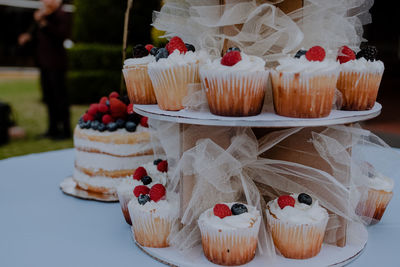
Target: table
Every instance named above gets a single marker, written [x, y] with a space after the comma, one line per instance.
[41, 226]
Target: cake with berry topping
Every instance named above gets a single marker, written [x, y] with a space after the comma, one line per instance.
[235, 84]
[229, 233]
[144, 177]
[297, 224]
[110, 142]
[176, 66]
[360, 77]
[137, 80]
[304, 85]
[154, 215]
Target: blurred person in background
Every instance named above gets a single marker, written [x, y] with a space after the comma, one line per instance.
[48, 32]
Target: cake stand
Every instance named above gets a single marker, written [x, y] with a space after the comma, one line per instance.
[330, 255]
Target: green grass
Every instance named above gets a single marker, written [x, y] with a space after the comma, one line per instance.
[30, 113]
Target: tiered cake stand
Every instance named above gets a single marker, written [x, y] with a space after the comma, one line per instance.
[330, 255]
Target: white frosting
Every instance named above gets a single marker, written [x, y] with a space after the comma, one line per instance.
[168, 207]
[299, 214]
[244, 220]
[363, 65]
[139, 61]
[381, 182]
[248, 64]
[176, 59]
[98, 181]
[120, 131]
[295, 65]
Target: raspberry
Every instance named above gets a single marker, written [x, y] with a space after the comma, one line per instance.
[102, 108]
[143, 122]
[93, 108]
[106, 119]
[87, 117]
[284, 201]
[176, 43]
[315, 53]
[231, 58]
[162, 166]
[141, 190]
[103, 100]
[149, 47]
[117, 108]
[113, 95]
[345, 54]
[139, 173]
[157, 192]
[222, 210]
[129, 109]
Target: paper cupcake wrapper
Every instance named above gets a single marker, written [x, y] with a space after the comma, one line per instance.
[124, 197]
[151, 230]
[359, 89]
[229, 247]
[171, 84]
[234, 93]
[296, 241]
[302, 95]
[138, 84]
[374, 206]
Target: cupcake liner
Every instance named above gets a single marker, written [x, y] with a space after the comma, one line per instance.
[359, 89]
[375, 205]
[171, 84]
[296, 241]
[234, 93]
[138, 84]
[229, 246]
[151, 230]
[124, 197]
[301, 95]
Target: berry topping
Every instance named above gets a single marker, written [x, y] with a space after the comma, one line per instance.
[124, 99]
[113, 95]
[143, 122]
[112, 126]
[130, 126]
[300, 53]
[117, 108]
[146, 180]
[230, 49]
[102, 108]
[304, 198]
[103, 100]
[93, 109]
[238, 209]
[345, 54]
[139, 173]
[120, 123]
[157, 192]
[284, 201]
[368, 52]
[139, 51]
[222, 210]
[129, 109]
[190, 47]
[162, 53]
[315, 53]
[231, 58]
[106, 119]
[94, 125]
[102, 127]
[87, 117]
[162, 166]
[154, 51]
[149, 47]
[140, 189]
[157, 161]
[176, 43]
[143, 199]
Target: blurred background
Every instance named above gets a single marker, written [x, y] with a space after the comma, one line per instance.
[95, 60]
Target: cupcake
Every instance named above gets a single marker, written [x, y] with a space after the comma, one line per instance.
[297, 224]
[360, 77]
[146, 175]
[137, 80]
[380, 192]
[229, 233]
[304, 86]
[154, 215]
[176, 67]
[235, 84]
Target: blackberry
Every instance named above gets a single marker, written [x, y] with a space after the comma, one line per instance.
[124, 99]
[190, 47]
[300, 53]
[146, 180]
[130, 126]
[369, 52]
[142, 199]
[154, 51]
[162, 53]
[120, 123]
[102, 127]
[157, 161]
[230, 49]
[304, 198]
[112, 126]
[238, 209]
[139, 51]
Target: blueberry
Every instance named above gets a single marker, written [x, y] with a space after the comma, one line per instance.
[120, 123]
[230, 49]
[146, 180]
[102, 127]
[154, 51]
[81, 120]
[139, 51]
[112, 126]
[94, 125]
[190, 47]
[81, 124]
[108, 103]
[238, 209]
[130, 126]
[300, 53]
[142, 199]
[86, 125]
[162, 53]
[304, 198]
[157, 161]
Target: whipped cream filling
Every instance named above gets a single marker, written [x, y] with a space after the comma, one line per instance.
[121, 131]
[244, 220]
[248, 64]
[381, 182]
[168, 207]
[97, 181]
[299, 214]
[363, 65]
[176, 59]
[139, 61]
[295, 65]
